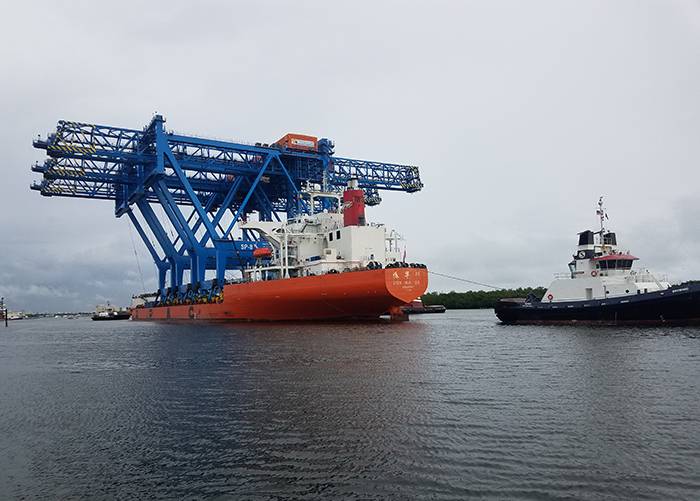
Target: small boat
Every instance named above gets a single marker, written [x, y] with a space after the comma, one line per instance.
[107, 312]
[416, 307]
[603, 288]
[112, 315]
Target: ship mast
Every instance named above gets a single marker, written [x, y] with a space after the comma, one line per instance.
[601, 214]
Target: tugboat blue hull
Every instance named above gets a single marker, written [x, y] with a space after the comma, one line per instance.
[678, 305]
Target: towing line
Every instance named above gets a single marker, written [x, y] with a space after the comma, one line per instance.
[464, 280]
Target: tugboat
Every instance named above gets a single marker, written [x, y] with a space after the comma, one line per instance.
[108, 312]
[602, 288]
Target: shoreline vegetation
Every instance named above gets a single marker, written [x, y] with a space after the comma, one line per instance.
[474, 300]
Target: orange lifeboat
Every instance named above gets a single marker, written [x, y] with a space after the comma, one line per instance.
[262, 252]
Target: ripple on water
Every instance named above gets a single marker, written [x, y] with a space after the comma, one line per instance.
[447, 407]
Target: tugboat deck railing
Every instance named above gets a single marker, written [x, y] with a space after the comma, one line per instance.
[648, 277]
[562, 275]
[634, 276]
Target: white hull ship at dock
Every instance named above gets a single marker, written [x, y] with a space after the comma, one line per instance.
[603, 288]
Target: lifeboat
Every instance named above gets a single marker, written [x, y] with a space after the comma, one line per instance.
[262, 252]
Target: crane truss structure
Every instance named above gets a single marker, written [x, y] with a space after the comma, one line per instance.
[204, 188]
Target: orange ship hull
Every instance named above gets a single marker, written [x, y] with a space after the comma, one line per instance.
[352, 295]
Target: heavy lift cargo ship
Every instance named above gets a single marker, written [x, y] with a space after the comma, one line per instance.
[287, 217]
[324, 266]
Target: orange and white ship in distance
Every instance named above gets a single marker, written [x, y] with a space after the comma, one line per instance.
[322, 266]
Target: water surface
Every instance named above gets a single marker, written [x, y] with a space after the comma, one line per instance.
[445, 407]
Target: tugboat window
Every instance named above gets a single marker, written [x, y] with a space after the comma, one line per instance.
[330, 236]
[603, 265]
[611, 264]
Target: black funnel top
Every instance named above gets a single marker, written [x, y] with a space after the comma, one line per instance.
[585, 238]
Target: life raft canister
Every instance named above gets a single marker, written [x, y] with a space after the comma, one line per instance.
[594, 273]
[550, 297]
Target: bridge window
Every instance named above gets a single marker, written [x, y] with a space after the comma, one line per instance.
[614, 264]
[337, 234]
[330, 236]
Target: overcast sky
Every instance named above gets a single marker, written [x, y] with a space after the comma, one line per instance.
[519, 114]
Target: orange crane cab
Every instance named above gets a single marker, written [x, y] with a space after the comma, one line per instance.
[298, 142]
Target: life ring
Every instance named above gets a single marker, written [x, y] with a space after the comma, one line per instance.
[594, 273]
[550, 297]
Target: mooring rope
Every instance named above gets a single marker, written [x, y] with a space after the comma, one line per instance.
[464, 280]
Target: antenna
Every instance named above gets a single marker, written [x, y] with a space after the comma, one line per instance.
[602, 215]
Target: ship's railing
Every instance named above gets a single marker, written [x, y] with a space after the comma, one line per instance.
[635, 276]
[648, 277]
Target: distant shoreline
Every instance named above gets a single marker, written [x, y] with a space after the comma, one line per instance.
[477, 300]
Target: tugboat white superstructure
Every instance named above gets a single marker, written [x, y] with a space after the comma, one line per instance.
[603, 287]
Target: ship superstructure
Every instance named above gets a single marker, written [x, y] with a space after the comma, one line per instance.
[600, 269]
[331, 241]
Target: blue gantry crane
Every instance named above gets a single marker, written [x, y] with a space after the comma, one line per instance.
[204, 188]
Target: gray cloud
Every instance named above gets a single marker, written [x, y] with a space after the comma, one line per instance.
[520, 115]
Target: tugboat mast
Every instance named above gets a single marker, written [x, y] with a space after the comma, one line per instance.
[601, 213]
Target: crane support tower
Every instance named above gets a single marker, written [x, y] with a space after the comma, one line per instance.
[205, 187]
